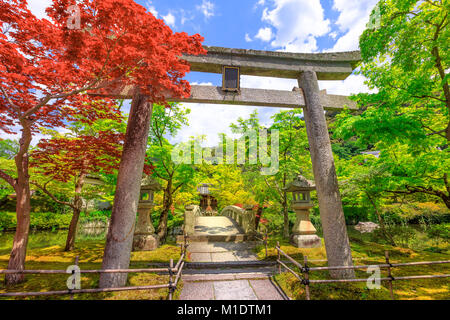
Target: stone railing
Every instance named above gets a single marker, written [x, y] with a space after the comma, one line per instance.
[190, 216]
[244, 217]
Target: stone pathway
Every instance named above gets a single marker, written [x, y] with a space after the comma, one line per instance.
[217, 225]
[221, 251]
[228, 283]
[231, 290]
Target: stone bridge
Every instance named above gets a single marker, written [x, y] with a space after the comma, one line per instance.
[233, 224]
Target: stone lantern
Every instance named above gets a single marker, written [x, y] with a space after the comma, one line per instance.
[303, 232]
[145, 238]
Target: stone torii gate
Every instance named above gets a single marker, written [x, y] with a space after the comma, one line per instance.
[307, 69]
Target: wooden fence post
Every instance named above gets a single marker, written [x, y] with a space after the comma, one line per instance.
[386, 254]
[265, 242]
[279, 257]
[306, 280]
[73, 273]
[170, 279]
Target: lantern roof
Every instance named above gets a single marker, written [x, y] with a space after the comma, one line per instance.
[149, 184]
[300, 183]
[203, 189]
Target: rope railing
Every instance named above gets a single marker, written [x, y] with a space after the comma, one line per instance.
[171, 285]
[304, 276]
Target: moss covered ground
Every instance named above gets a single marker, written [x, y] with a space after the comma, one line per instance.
[364, 253]
[46, 252]
[90, 254]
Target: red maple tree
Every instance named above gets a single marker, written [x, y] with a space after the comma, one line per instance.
[46, 68]
[73, 156]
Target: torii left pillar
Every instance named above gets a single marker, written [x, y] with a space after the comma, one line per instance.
[119, 240]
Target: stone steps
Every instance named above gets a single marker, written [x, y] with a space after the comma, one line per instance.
[227, 276]
[230, 264]
[216, 238]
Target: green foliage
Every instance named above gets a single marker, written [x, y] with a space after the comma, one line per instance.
[39, 221]
[166, 122]
[8, 149]
[416, 213]
[275, 220]
[347, 149]
[407, 117]
[7, 221]
[439, 231]
[355, 214]
[97, 215]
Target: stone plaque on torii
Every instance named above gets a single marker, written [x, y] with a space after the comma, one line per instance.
[307, 68]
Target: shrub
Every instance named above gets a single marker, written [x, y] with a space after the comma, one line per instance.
[39, 220]
[415, 213]
[439, 231]
[98, 215]
[353, 215]
[7, 221]
[49, 221]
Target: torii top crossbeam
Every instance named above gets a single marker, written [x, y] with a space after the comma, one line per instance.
[328, 66]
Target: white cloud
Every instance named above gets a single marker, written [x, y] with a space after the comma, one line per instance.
[247, 38]
[185, 16]
[37, 7]
[201, 83]
[207, 8]
[353, 17]
[151, 8]
[352, 85]
[210, 120]
[169, 19]
[297, 24]
[264, 34]
[267, 83]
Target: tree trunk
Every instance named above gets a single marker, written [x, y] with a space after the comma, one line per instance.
[335, 235]
[167, 204]
[23, 208]
[387, 236]
[119, 240]
[77, 206]
[258, 216]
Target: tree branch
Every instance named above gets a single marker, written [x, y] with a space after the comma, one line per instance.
[8, 178]
[10, 101]
[44, 189]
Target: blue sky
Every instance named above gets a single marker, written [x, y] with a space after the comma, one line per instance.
[278, 25]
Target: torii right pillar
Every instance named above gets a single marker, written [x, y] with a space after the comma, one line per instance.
[330, 205]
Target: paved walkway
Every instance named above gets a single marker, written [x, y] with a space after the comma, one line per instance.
[228, 283]
[217, 225]
[231, 290]
[221, 251]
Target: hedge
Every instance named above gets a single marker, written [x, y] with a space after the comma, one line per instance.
[39, 221]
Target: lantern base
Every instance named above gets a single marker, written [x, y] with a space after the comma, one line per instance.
[306, 241]
[145, 242]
